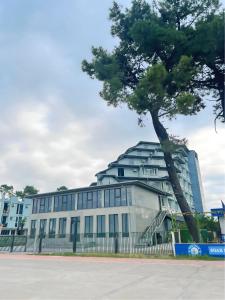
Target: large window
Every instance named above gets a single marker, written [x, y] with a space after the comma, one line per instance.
[64, 202]
[42, 205]
[88, 200]
[115, 197]
[125, 225]
[62, 227]
[42, 231]
[75, 227]
[52, 228]
[88, 230]
[113, 225]
[33, 228]
[19, 209]
[100, 226]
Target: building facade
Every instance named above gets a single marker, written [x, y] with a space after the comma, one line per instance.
[100, 211]
[145, 162]
[13, 211]
[196, 182]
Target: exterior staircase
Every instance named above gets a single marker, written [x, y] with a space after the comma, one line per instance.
[147, 236]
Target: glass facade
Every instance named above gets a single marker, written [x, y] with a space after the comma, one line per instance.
[62, 227]
[101, 226]
[64, 202]
[88, 229]
[88, 200]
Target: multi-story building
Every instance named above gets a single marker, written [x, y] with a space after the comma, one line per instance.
[145, 162]
[196, 182]
[132, 195]
[102, 210]
[13, 211]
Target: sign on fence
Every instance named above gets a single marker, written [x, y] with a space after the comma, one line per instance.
[217, 250]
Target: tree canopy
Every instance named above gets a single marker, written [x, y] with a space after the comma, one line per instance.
[180, 42]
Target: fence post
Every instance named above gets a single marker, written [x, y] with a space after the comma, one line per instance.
[40, 244]
[116, 243]
[25, 247]
[75, 237]
[12, 244]
[173, 243]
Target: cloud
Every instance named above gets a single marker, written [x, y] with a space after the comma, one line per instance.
[54, 128]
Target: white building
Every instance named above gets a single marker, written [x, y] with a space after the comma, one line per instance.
[133, 195]
[13, 211]
[145, 162]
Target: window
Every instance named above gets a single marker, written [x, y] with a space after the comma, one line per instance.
[120, 172]
[115, 197]
[125, 226]
[100, 226]
[35, 206]
[52, 228]
[40, 205]
[64, 202]
[89, 200]
[19, 209]
[75, 226]
[33, 228]
[42, 230]
[88, 231]
[62, 227]
[113, 225]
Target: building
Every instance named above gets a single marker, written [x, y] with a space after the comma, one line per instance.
[13, 211]
[145, 162]
[196, 182]
[133, 195]
[100, 211]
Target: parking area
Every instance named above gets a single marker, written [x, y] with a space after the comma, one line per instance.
[50, 277]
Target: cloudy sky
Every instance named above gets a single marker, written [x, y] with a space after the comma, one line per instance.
[54, 128]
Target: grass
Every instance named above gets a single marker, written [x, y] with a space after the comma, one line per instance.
[140, 256]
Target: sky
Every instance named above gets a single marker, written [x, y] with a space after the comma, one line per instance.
[54, 127]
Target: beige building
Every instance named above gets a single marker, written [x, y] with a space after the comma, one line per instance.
[100, 211]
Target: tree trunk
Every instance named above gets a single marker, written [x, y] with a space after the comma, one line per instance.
[184, 207]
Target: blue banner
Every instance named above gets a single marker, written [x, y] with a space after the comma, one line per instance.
[217, 212]
[216, 250]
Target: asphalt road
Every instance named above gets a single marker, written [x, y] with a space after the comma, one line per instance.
[42, 277]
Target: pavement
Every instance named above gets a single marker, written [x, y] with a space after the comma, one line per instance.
[51, 277]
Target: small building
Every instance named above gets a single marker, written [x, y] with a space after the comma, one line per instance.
[13, 211]
[100, 211]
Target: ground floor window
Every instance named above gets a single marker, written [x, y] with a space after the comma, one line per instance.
[75, 228]
[100, 226]
[52, 228]
[33, 228]
[113, 225]
[88, 229]
[42, 231]
[62, 227]
[125, 225]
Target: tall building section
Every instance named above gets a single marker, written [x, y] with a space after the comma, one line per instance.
[196, 182]
[145, 162]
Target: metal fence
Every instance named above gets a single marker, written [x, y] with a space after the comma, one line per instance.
[135, 243]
